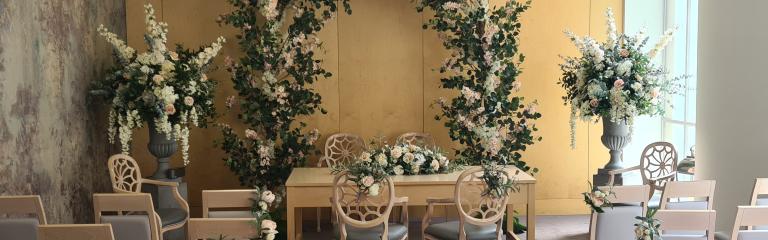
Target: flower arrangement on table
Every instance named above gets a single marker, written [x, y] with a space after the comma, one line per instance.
[615, 79]
[647, 228]
[166, 88]
[598, 199]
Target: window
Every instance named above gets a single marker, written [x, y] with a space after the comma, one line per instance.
[679, 58]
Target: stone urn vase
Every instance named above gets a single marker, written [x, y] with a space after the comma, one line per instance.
[615, 138]
[162, 146]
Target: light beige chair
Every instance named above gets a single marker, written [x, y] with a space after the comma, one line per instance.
[24, 226]
[131, 215]
[126, 178]
[75, 232]
[340, 148]
[750, 216]
[480, 217]
[230, 228]
[363, 217]
[238, 203]
[416, 138]
[658, 165]
[759, 198]
[702, 192]
[700, 224]
[618, 222]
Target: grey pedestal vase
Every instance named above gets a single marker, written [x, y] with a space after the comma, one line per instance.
[163, 147]
[615, 137]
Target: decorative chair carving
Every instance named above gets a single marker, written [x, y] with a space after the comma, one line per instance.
[658, 165]
[687, 224]
[75, 232]
[24, 226]
[360, 216]
[126, 221]
[416, 138]
[239, 199]
[617, 222]
[230, 228]
[480, 217]
[126, 178]
[341, 148]
[750, 216]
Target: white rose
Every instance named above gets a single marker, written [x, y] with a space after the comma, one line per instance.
[268, 224]
[397, 152]
[408, 157]
[268, 196]
[188, 100]
[263, 205]
[373, 190]
[415, 169]
[365, 156]
[435, 165]
[367, 181]
[157, 79]
[399, 170]
[382, 159]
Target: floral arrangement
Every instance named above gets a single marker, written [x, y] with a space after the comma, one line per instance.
[615, 79]
[598, 199]
[491, 122]
[647, 228]
[497, 181]
[262, 203]
[273, 81]
[367, 175]
[408, 159]
[168, 89]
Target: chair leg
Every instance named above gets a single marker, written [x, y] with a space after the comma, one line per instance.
[318, 219]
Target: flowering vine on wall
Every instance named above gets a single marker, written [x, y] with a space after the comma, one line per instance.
[273, 81]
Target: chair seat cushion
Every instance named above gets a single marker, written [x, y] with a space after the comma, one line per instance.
[170, 216]
[18, 228]
[752, 235]
[129, 227]
[617, 222]
[396, 232]
[450, 231]
[230, 214]
[683, 237]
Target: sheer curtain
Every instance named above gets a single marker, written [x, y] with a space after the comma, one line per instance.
[679, 58]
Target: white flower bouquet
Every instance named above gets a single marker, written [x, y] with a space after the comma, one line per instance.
[615, 79]
[408, 159]
[166, 88]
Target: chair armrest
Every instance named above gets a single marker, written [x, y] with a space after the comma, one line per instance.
[612, 173]
[440, 201]
[159, 183]
[321, 161]
[403, 203]
[401, 200]
[668, 176]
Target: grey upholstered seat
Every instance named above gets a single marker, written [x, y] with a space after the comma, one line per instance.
[753, 235]
[617, 222]
[129, 227]
[450, 231]
[170, 216]
[18, 228]
[396, 232]
[230, 214]
[683, 237]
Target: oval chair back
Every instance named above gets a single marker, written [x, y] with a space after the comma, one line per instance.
[473, 207]
[125, 174]
[659, 159]
[416, 138]
[357, 209]
[341, 148]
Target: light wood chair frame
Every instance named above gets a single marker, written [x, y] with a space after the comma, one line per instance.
[230, 198]
[339, 142]
[126, 177]
[415, 137]
[686, 220]
[622, 194]
[749, 216]
[689, 189]
[75, 232]
[667, 167]
[761, 188]
[24, 204]
[205, 228]
[464, 216]
[340, 182]
[129, 203]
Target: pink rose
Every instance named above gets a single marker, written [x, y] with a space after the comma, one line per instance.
[249, 133]
[170, 109]
[203, 77]
[268, 196]
[624, 53]
[174, 56]
[367, 181]
[158, 79]
[618, 83]
[189, 100]
[230, 101]
[655, 92]
[594, 102]
[268, 224]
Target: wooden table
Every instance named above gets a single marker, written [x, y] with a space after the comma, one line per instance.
[312, 187]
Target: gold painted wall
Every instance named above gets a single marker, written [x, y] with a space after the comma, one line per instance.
[383, 85]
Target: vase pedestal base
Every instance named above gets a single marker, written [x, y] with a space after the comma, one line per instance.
[602, 178]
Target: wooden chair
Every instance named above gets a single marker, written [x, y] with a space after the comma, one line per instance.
[750, 216]
[416, 138]
[360, 216]
[694, 189]
[480, 217]
[687, 224]
[230, 228]
[238, 203]
[131, 215]
[75, 232]
[126, 178]
[761, 188]
[617, 222]
[658, 165]
[340, 148]
[23, 227]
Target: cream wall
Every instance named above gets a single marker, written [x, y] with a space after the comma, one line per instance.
[383, 85]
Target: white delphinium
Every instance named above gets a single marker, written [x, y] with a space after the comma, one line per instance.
[124, 52]
[185, 145]
[208, 53]
[662, 43]
[611, 28]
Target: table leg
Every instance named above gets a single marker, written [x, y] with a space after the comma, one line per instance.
[531, 211]
[299, 223]
[511, 219]
[291, 223]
